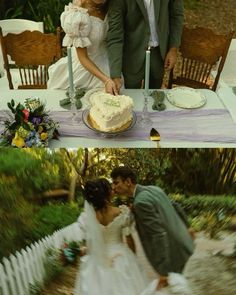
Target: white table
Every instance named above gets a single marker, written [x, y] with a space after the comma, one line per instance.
[228, 74]
[52, 98]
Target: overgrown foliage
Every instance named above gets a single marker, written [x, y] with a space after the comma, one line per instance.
[195, 205]
[28, 171]
[191, 4]
[209, 213]
[53, 217]
[16, 219]
[26, 174]
[188, 171]
[45, 11]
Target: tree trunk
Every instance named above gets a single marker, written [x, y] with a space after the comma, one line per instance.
[71, 195]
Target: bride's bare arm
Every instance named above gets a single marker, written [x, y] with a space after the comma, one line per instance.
[130, 243]
[87, 63]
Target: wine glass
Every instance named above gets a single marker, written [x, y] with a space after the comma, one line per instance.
[145, 120]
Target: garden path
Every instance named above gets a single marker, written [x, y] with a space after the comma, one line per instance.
[209, 269]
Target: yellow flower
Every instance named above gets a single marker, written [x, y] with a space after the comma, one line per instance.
[31, 126]
[22, 132]
[40, 129]
[43, 135]
[18, 141]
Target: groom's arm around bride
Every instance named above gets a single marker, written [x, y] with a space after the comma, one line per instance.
[164, 236]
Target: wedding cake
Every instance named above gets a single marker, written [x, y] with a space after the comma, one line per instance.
[109, 112]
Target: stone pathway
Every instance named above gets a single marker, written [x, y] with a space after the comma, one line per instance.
[210, 270]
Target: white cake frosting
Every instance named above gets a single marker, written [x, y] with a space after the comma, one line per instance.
[110, 112]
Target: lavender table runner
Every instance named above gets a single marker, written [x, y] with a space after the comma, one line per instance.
[201, 125]
[215, 125]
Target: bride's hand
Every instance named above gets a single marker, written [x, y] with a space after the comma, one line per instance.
[163, 282]
[83, 251]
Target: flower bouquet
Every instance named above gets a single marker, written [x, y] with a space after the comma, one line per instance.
[70, 251]
[29, 125]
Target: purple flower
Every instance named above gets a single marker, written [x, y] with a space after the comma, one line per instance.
[36, 120]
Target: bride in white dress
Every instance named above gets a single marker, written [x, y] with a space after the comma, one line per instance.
[109, 266]
[85, 24]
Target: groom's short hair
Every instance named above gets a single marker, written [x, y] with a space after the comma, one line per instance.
[124, 172]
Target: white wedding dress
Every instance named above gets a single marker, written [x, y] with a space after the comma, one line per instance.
[110, 267]
[82, 30]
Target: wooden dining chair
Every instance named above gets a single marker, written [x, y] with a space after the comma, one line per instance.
[201, 51]
[16, 26]
[33, 52]
[19, 25]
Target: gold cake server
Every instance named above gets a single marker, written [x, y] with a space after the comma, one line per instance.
[155, 136]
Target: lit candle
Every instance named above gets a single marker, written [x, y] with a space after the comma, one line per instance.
[70, 70]
[147, 70]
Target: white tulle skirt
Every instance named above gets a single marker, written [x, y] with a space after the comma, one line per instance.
[122, 275]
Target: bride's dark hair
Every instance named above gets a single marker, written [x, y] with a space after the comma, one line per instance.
[97, 192]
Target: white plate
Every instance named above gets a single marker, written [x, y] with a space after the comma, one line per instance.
[186, 97]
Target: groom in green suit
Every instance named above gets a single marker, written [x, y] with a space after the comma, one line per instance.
[135, 25]
[164, 236]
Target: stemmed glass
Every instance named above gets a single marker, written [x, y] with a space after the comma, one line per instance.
[145, 120]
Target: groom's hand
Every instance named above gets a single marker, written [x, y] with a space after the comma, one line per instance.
[163, 282]
[118, 83]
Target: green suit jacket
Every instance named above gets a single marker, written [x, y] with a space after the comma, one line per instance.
[129, 32]
[163, 234]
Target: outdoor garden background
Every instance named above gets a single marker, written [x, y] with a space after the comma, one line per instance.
[215, 14]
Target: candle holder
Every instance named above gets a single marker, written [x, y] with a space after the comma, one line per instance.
[145, 119]
[73, 108]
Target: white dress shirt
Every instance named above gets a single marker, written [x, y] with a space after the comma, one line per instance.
[153, 41]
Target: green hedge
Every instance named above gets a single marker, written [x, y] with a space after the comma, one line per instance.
[208, 213]
[30, 224]
[54, 217]
[196, 205]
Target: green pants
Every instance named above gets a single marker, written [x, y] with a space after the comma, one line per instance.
[156, 72]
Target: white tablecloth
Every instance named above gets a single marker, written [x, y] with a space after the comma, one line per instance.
[52, 98]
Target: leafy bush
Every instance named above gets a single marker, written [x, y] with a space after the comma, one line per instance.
[191, 4]
[16, 218]
[209, 213]
[31, 174]
[53, 265]
[54, 217]
[47, 11]
[38, 10]
[196, 205]
[210, 222]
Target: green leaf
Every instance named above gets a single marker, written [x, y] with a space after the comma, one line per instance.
[13, 126]
[26, 126]
[78, 104]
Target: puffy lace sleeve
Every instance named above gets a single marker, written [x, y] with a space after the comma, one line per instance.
[76, 23]
[82, 226]
[128, 220]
